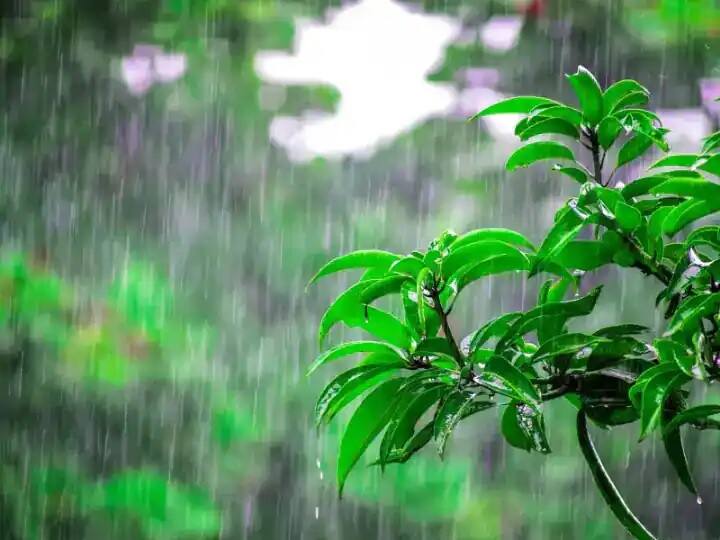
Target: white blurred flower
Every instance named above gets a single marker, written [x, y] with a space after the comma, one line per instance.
[148, 65]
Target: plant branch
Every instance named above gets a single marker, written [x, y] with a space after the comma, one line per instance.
[435, 295]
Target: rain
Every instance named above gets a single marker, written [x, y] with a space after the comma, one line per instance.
[174, 172]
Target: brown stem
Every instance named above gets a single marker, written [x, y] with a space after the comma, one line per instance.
[435, 295]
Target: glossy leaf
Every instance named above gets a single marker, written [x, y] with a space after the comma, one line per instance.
[692, 415]
[495, 328]
[710, 164]
[369, 258]
[497, 369]
[538, 151]
[676, 160]
[608, 131]
[530, 320]
[475, 253]
[401, 428]
[449, 414]
[349, 385]
[576, 173]
[350, 348]
[618, 90]
[550, 126]
[672, 440]
[698, 188]
[687, 212]
[508, 236]
[588, 93]
[654, 394]
[585, 255]
[382, 287]
[633, 149]
[605, 484]
[515, 105]
[368, 420]
[563, 231]
[628, 217]
[569, 114]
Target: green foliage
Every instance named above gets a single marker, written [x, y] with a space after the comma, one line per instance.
[428, 382]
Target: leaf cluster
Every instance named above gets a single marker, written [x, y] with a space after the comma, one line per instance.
[415, 382]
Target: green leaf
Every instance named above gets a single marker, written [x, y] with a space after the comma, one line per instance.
[676, 160]
[608, 131]
[424, 274]
[633, 99]
[501, 374]
[586, 255]
[711, 143]
[349, 309]
[620, 330]
[369, 258]
[502, 235]
[642, 186]
[517, 262]
[382, 287]
[401, 428]
[569, 114]
[633, 149]
[576, 173]
[654, 394]
[617, 91]
[524, 428]
[550, 126]
[368, 420]
[697, 188]
[589, 94]
[538, 151]
[628, 217]
[529, 321]
[494, 328]
[476, 253]
[353, 347]
[672, 441]
[563, 231]
[691, 311]
[347, 386]
[687, 212]
[510, 428]
[710, 164]
[449, 414]
[515, 105]
[692, 415]
[564, 344]
[409, 266]
[605, 484]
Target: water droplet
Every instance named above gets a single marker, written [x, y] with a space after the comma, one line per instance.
[699, 500]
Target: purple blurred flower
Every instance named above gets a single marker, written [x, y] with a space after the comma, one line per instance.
[148, 65]
[709, 93]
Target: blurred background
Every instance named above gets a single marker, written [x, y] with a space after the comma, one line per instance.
[172, 172]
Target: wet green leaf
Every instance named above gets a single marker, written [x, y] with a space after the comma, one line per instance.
[368, 420]
[350, 348]
[588, 93]
[498, 370]
[633, 149]
[538, 151]
[347, 386]
[576, 173]
[508, 236]
[550, 126]
[672, 440]
[617, 91]
[368, 258]
[604, 483]
[628, 217]
[692, 415]
[515, 105]
[676, 160]
[449, 414]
